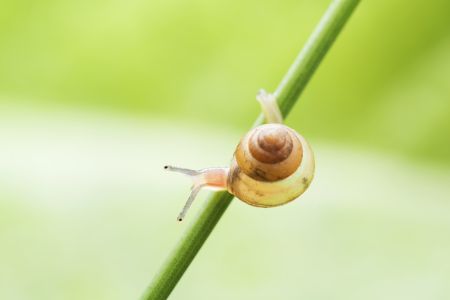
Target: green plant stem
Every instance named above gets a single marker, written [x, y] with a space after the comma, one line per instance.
[287, 94]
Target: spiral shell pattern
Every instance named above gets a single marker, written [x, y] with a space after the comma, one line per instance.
[269, 152]
[272, 165]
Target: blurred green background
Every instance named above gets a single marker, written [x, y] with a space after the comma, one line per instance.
[96, 96]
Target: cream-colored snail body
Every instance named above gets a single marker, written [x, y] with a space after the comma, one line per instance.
[272, 164]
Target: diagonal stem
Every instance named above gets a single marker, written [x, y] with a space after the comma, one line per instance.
[287, 94]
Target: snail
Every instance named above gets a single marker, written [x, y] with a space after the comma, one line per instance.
[272, 164]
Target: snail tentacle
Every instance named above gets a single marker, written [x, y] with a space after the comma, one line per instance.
[194, 192]
[210, 178]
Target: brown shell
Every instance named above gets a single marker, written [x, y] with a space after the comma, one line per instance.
[269, 152]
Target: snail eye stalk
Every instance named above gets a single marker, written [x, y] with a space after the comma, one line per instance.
[211, 178]
[188, 204]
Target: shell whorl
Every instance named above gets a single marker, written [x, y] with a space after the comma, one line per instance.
[269, 152]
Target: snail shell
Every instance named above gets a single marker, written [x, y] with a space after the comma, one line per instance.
[272, 165]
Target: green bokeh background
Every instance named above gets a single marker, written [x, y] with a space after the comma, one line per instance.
[96, 96]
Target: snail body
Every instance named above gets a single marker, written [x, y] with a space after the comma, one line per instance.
[272, 164]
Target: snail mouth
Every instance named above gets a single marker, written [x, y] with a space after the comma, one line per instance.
[271, 145]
